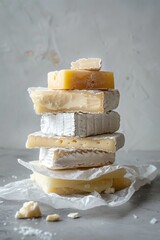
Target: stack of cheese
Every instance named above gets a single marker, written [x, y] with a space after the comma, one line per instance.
[78, 128]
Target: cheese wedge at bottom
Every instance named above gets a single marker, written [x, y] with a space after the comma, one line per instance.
[105, 142]
[68, 187]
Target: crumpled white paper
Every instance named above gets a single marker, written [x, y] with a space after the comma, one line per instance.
[28, 190]
[88, 174]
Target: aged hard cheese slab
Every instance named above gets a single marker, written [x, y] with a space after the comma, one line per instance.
[69, 158]
[86, 101]
[105, 142]
[80, 124]
[80, 79]
[114, 180]
[87, 64]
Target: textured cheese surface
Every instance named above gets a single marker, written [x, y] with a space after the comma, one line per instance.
[87, 64]
[66, 187]
[29, 210]
[70, 158]
[80, 79]
[105, 142]
[87, 101]
[80, 124]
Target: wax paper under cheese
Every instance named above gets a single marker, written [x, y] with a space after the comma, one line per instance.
[27, 190]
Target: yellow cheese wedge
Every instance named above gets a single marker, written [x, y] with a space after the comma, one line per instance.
[80, 79]
[105, 142]
[121, 183]
[67, 187]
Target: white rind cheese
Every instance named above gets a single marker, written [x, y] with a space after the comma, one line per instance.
[80, 124]
[69, 158]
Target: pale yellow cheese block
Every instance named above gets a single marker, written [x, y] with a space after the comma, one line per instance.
[85, 101]
[106, 142]
[67, 187]
[60, 186]
[87, 64]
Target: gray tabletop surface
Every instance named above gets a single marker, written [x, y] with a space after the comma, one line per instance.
[98, 223]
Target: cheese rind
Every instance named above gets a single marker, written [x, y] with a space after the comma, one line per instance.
[69, 158]
[86, 101]
[87, 64]
[80, 124]
[80, 79]
[105, 142]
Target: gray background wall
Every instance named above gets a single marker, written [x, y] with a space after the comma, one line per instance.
[38, 36]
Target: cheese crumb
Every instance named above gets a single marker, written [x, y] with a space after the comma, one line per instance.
[29, 210]
[110, 190]
[135, 216]
[153, 221]
[53, 218]
[31, 232]
[73, 215]
[14, 176]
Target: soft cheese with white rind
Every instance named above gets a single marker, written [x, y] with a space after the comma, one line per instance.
[75, 174]
[80, 124]
[86, 101]
[69, 158]
[105, 142]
